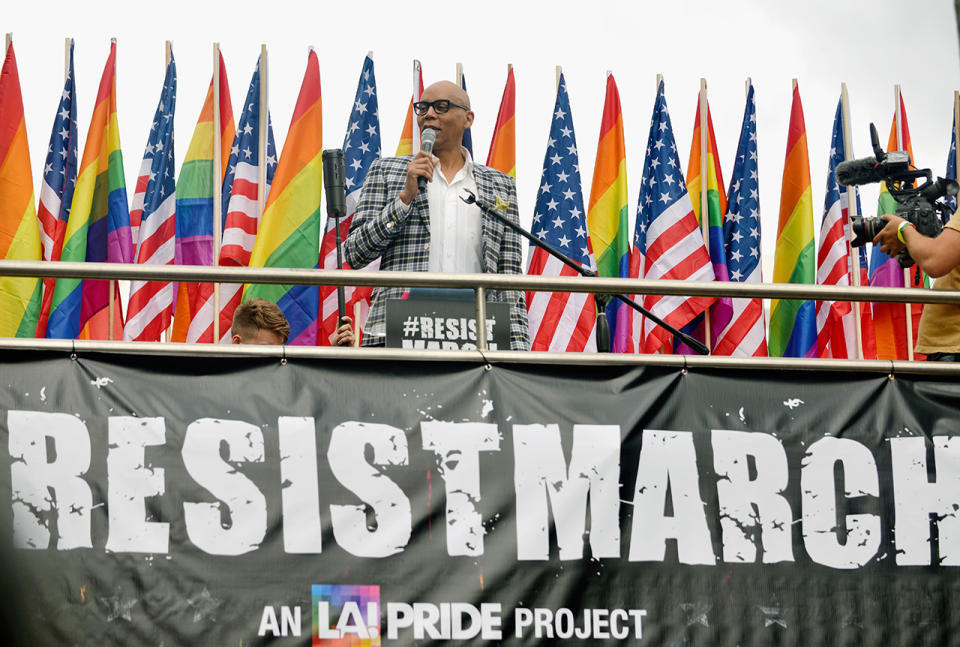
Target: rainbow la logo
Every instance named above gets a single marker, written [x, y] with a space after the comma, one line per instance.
[346, 615]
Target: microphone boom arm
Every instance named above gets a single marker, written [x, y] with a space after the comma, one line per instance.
[471, 198]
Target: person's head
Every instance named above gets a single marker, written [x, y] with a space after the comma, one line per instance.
[450, 123]
[259, 321]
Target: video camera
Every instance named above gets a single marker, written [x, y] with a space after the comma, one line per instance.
[919, 205]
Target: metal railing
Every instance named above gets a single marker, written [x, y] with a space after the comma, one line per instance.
[480, 283]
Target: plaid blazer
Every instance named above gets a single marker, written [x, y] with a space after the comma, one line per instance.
[402, 240]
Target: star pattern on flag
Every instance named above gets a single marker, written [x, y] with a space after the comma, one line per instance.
[362, 143]
[159, 149]
[246, 144]
[741, 230]
[558, 215]
[659, 187]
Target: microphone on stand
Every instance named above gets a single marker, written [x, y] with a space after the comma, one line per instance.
[427, 140]
[335, 185]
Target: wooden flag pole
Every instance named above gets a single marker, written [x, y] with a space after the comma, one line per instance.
[217, 188]
[460, 74]
[558, 72]
[854, 256]
[262, 136]
[6, 42]
[112, 285]
[906, 272]
[662, 349]
[704, 206]
[67, 42]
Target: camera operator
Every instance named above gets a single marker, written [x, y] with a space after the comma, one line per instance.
[939, 334]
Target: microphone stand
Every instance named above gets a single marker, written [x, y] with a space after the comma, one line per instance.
[603, 326]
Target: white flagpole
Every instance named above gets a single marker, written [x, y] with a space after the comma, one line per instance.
[415, 130]
[704, 207]
[906, 271]
[217, 188]
[853, 255]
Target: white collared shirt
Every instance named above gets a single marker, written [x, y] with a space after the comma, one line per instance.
[454, 224]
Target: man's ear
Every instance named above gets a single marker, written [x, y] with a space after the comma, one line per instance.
[236, 339]
[469, 119]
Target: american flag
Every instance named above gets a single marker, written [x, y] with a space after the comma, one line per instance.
[667, 241]
[951, 173]
[56, 189]
[836, 324]
[154, 203]
[745, 334]
[239, 208]
[361, 146]
[561, 321]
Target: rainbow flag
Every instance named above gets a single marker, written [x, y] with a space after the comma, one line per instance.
[195, 188]
[722, 310]
[19, 229]
[99, 226]
[289, 234]
[890, 319]
[503, 145]
[793, 324]
[608, 214]
[405, 147]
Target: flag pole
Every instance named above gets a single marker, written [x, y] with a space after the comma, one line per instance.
[558, 72]
[704, 207]
[6, 42]
[460, 74]
[67, 42]
[414, 127]
[662, 349]
[897, 117]
[956, 128]
[217, 186]
[854, 256]
[112, 285]
[262, 136]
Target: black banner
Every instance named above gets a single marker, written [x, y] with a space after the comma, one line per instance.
[179, 501]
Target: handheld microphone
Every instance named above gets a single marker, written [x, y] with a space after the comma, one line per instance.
[334, 182]
[427, 140]
[335, 185]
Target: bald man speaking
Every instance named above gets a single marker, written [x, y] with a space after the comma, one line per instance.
[410, 214]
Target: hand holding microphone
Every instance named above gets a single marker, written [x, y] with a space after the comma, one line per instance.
[420, 169]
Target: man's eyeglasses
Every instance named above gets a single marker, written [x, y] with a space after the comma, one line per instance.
[440, 106]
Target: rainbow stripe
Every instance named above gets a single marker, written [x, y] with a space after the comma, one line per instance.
[722, 310]
[99, 226]
[608, 214]
[503, 146]
[793, 324]
[289, 233]
[890, 319]
[19, 229]
[195, 184]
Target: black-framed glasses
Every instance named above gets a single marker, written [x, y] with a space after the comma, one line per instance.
[440, 106]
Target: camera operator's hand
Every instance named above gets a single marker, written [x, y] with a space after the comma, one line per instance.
[887, 238]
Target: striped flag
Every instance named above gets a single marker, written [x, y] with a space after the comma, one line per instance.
[200, 174]
[289, 235]
[19, 232]
[745, 334]
[890, 319]
[722, 310]
[467, 140]
[57, 184]
[561, 321]
[836, 324]
[151, 302]
[361, 146]
[503, 144]
[667, 242]
[608, 213]
[409, 132]
[793, 324]
[99, 226]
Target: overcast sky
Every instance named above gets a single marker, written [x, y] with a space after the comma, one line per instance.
[870, 45]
